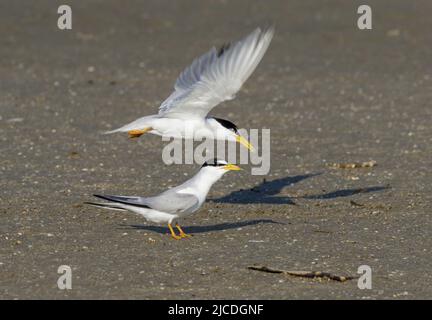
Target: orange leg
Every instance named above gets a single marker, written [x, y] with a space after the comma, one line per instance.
[173, 233]
[139, 132]
[182, 233]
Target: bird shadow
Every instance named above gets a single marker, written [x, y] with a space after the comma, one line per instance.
[345, 193]
[205, 228]
[265, 193]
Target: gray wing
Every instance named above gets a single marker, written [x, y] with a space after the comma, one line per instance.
[168, 201]
[172, 202]
[216, 76]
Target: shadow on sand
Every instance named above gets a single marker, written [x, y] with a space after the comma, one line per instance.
[266, 192]
[203, 229]
[346, 193]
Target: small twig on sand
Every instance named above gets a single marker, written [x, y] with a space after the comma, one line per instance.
[354, 165]
[304, 274]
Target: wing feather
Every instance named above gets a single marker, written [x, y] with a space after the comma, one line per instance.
[168, 201]
[216, 76]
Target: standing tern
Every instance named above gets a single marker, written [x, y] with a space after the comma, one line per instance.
[173, 203]
[211, 79]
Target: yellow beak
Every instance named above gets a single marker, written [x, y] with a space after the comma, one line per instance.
[244, 142]
[231, 167]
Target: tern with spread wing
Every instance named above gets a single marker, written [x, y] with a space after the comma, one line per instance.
[174, 203]
[211, 79]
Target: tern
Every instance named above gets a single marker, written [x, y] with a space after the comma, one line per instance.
[211, 79]
[173, 203]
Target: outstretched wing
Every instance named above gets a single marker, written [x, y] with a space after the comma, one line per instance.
[216, 76]
[166, 202]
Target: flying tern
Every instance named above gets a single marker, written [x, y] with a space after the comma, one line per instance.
[174, 203]
[211, 79]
